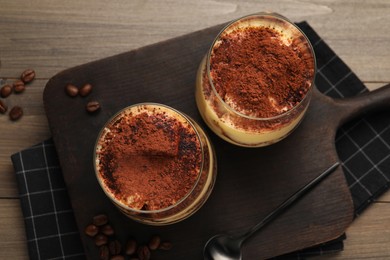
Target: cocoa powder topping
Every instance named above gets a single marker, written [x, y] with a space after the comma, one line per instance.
[150, 160]
[258, 73]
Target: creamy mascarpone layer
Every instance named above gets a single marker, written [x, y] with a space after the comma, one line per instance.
[225, 127]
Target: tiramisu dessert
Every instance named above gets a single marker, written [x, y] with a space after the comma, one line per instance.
[155, 163]
[254, 85]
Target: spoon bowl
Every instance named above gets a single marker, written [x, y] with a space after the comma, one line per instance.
[222, 247]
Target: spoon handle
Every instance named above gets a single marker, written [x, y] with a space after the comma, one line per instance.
[293, 198]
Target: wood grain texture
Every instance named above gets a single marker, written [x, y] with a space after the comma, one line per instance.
[368, 237]
[82, 31]
[50, 36]
[12, 236]
[31, 129]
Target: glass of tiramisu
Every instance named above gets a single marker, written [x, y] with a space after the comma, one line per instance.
[155, 163]
[254, 85]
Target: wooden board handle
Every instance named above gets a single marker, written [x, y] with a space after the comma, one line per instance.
[349, 108]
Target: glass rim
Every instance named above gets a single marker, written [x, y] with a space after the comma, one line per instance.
[113, 119]
[261, 15]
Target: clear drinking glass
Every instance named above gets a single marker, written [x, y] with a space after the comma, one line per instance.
[237, 126]
[202, 172]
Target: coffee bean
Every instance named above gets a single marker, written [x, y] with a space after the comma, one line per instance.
[91, 230]
[115, 247]
[154, 242]
[15, 113]
[28, 76]
[143, 252]
[104, 253]
[100, 220]
[92, 106]
[100, 230]
[5, 91]
[100, 240]
[3, 107]
[165, 245]
[131, 247]
[85, 90]
[19, 86]
[107, 230]
[71, 90]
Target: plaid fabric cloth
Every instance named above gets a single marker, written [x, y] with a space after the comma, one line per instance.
[363, 146]
[50, 224]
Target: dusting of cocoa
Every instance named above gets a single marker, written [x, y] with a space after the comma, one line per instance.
[256, 72]
[149, 159]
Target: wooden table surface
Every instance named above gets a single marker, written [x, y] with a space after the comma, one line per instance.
[49, 36]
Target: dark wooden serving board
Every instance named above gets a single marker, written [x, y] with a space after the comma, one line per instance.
[250, 182]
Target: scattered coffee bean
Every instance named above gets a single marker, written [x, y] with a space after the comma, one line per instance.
[15, 113]
[100, 240]
[91, 230]
[5, 91]
[71, 90]
[143, 252]
[154, 242]
[92, 106]
[107, 230]
[19, 86]
[85, 90]
[165, 245]
[104, 253]
[28, 76]
[100, 220]
[3, 107]
[131, 247]
[115, 247]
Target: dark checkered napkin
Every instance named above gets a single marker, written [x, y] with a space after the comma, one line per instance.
[363, 147]
[50, 224]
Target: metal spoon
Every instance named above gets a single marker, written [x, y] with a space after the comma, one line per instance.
[226, 247]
